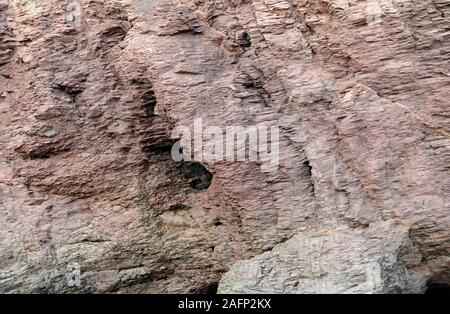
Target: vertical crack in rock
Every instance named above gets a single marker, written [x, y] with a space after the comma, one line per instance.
[308, 169]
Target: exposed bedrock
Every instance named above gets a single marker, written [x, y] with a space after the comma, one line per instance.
[91, 200]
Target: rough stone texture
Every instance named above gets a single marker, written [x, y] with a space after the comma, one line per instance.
[374, 260]
[88, 191]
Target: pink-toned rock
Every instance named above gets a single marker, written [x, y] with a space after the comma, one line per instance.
[91, 200]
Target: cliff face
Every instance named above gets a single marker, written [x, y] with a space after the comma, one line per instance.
[92, 201]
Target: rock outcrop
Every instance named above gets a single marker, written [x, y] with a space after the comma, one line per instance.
[91, 200]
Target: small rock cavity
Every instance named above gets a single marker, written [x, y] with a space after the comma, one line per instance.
[199, 177]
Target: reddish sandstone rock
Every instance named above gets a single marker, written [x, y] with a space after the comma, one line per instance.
[92, 201]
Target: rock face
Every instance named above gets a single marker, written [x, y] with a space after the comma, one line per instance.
[91, 200]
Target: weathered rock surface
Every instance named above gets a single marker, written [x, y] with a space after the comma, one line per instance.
[91, 200]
